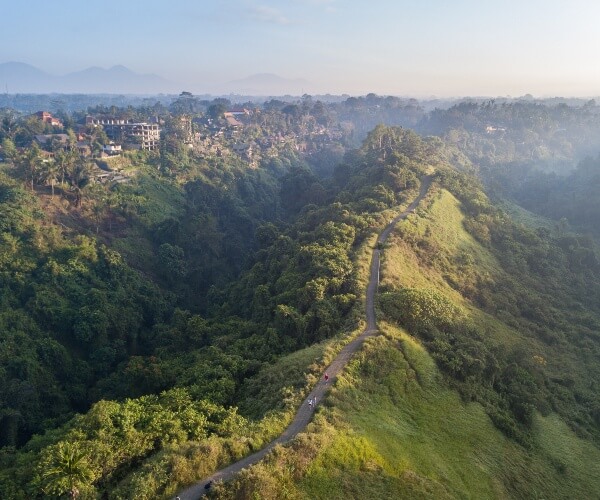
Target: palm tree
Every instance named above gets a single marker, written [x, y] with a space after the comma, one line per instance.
[50, 173]
[30, 164]
[79, 177]
[65, 161]
[65, 469]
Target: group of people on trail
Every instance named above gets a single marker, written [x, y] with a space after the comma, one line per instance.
[312, 402]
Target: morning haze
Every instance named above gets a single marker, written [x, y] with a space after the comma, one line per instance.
[423, 48]
[308, 249]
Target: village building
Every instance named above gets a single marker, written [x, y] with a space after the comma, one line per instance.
[48, 118]
[112, 149]
[231, 120]
[52, 140]
[139, 135]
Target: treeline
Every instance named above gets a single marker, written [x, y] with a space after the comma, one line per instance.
[494, 133]
[553, 134]
[541, 156]
[571, 200]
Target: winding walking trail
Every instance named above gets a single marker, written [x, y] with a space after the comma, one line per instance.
[305, 412]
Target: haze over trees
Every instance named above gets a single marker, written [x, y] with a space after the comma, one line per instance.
[164, 312]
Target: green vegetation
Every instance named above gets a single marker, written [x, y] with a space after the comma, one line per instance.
[71, 312]
[499, 326]
[569, 199]
[301, 288]
[484, 414]
[495, 133]
[486, 297]
[163, 314]
[393, 429]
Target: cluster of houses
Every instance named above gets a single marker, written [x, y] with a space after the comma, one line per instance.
[227, 137]
[230, 135]
[203, 134]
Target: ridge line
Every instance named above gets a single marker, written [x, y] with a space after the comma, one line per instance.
[305, 411]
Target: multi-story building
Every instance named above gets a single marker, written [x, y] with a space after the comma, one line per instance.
[142, 134]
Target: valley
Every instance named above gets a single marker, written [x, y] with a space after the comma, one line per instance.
[172, 320]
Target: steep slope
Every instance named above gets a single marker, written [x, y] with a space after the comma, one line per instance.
[494, 389]
[302, 288]
[339, 363]
[489, 393]
[393, 429]
[70, 311]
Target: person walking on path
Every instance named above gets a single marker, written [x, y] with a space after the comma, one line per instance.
[302, 418]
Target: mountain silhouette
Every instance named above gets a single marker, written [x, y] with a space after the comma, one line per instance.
[21, 78]
[17, 77]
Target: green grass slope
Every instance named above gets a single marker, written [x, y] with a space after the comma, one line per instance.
[427, 442]
[393, 429]
[401, 424]
[525, 296]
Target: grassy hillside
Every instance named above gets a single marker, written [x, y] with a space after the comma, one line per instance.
[409, 420]
[524, 300]
[393, 429]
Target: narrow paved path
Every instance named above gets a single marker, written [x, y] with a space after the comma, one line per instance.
[306, 411]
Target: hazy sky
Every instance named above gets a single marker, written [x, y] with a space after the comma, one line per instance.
[400, 47]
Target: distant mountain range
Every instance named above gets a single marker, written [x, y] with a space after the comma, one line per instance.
[21, 78]
[17, 77]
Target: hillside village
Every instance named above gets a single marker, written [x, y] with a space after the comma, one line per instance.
[235, 130]
[215, 130]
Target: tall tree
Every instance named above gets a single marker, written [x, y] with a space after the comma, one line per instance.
[79, 176]
[65, 161]
[29, 164]
[9, 149]
[50, 173]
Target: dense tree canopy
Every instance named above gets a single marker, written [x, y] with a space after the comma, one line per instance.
[135, 313]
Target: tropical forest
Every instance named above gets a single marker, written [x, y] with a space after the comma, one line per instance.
[183, 280]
